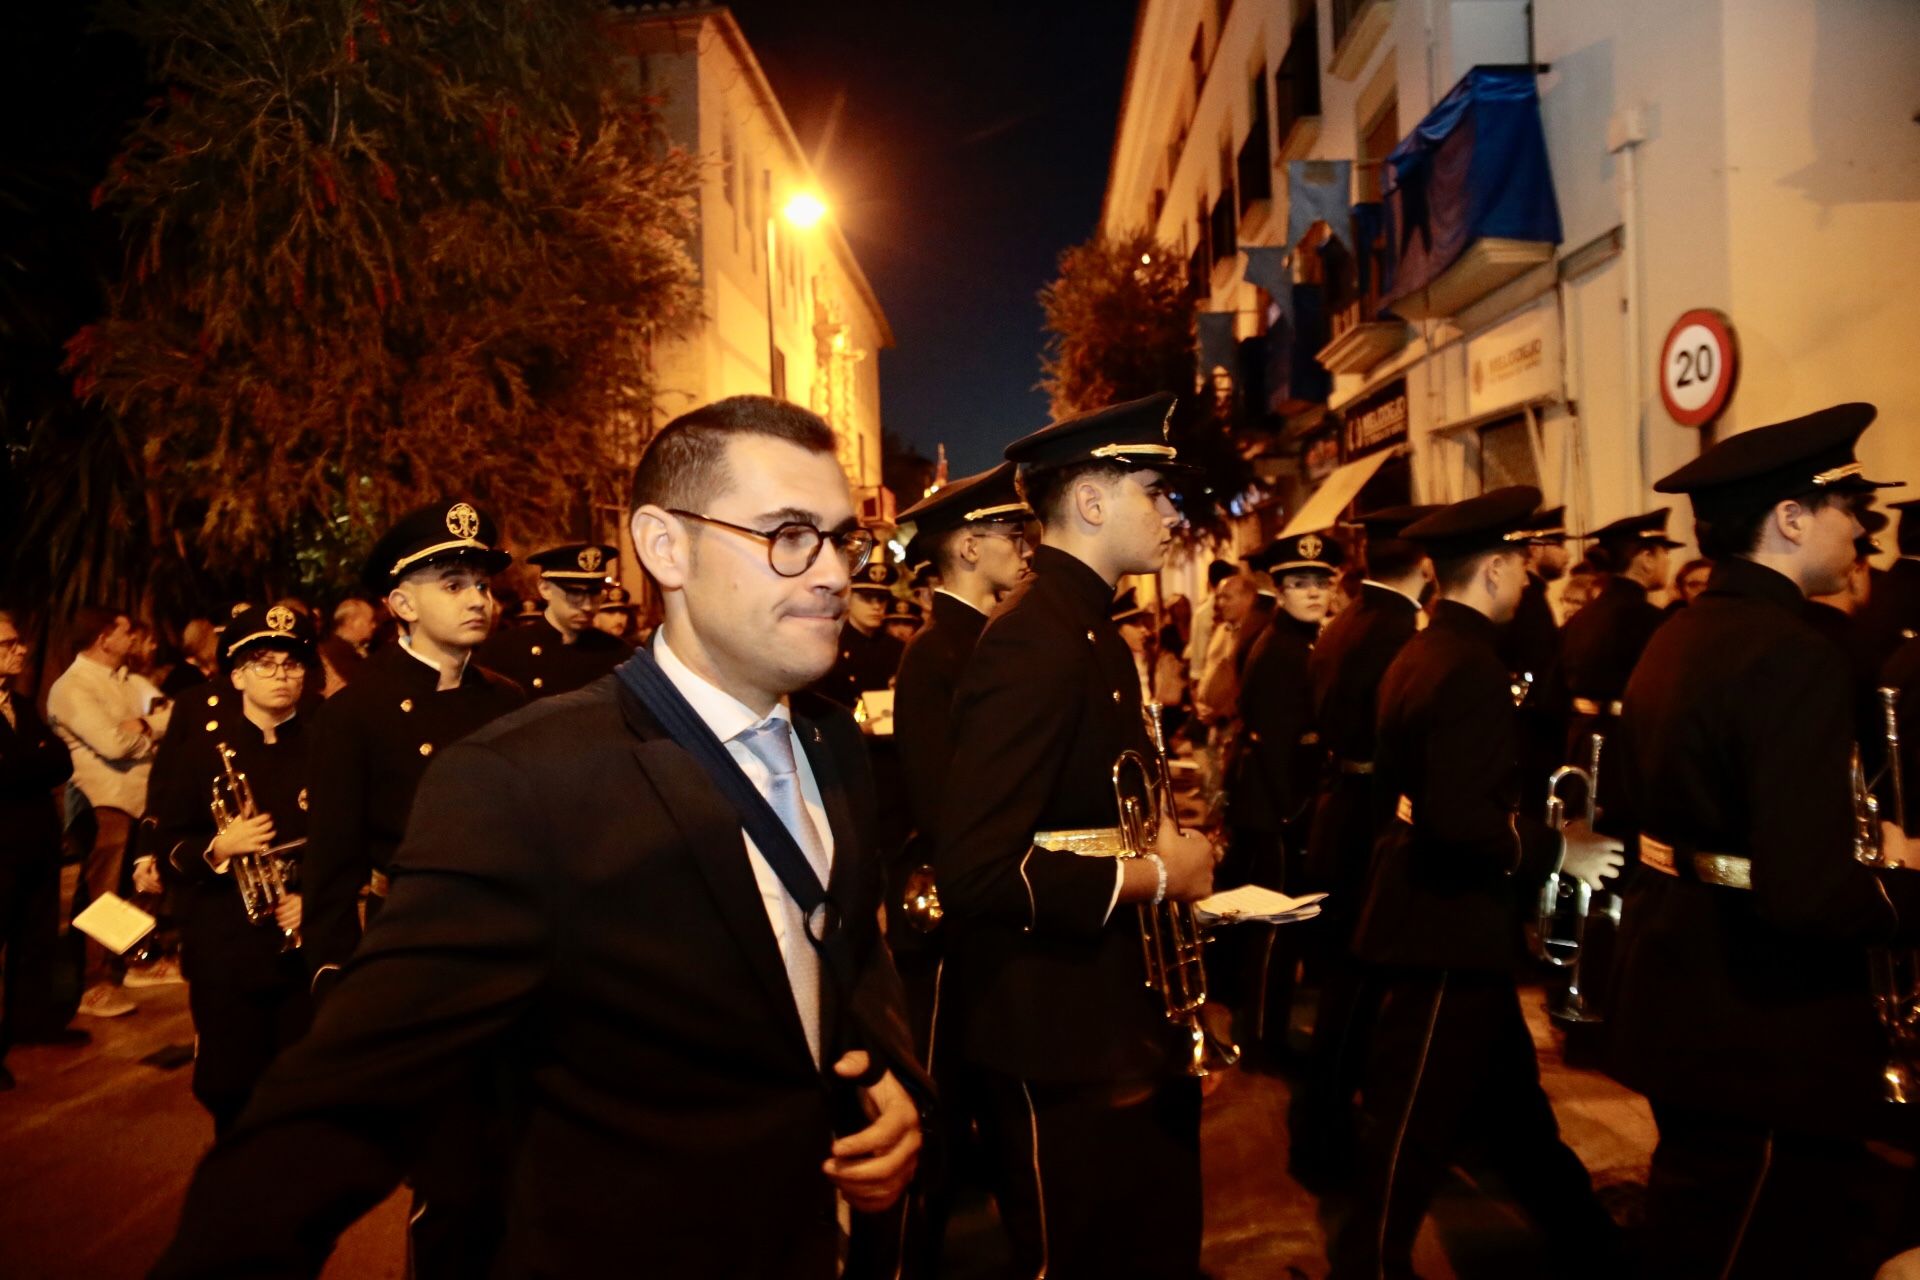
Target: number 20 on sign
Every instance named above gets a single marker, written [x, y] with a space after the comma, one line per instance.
[1698, 364]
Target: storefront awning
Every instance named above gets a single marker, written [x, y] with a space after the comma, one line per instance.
[1332, 498]
[1469, 194]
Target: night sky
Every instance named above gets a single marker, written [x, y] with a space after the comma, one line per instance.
[962, 147]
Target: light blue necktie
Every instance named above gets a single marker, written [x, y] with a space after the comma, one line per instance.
[771, 742]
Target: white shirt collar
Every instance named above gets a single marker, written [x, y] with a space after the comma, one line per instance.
[1369, 582]
[942, 591]
[406, 644]
[725, 714]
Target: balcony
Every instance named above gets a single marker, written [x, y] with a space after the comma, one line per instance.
[1469, 196]
[1357, 28]
[1296, 92]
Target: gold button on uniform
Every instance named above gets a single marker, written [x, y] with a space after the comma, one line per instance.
[426, 748]
[1116, 695]
[212, 725]
[213, 699]
[537, 682]
[406, 704]
[536, 651]
[1090, 639]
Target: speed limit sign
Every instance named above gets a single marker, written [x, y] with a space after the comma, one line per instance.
[1698, 363]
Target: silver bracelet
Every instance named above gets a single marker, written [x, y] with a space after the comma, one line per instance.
[1160, 869]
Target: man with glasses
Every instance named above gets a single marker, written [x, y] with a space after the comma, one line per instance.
[247, 988]
[33, 761]
[1091, 1125]
[680, 1051]
[562, 649]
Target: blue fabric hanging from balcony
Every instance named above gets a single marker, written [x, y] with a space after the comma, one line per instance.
[1475, 169]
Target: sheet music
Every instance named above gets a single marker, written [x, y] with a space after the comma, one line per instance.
[114, 923]
[1251, 903]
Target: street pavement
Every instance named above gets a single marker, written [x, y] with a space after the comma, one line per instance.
[96, 1146]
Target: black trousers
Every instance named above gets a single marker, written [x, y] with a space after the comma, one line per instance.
[1096, 1182]
[237, 1034]
[29, 943]
[1322, 1120]
[1451, 1058]
[1255, 966]
[1736, 1198]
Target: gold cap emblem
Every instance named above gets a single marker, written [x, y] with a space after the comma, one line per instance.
[280, 618]
[590, 559]
[876, 573]
[1311, 546]
[462, 520]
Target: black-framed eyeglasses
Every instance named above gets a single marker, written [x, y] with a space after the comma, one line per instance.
[275, 669]
[795, 545]
[1018, 537]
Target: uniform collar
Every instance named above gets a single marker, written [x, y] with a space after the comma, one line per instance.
[406, 647]
[1737, 575]
[1074, 576]
[1451, 615]
[1623, 586]
[1308, 631]
[1386, 594]
[960, 600]
[725, 714]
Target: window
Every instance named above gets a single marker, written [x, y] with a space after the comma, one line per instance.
[1378, 137]
[1296, 84]
[1197, 63]
[756, 220]
[1506, 454]
[1253, 176]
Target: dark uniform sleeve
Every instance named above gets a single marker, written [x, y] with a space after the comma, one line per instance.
[1276, 712]
[337, 862]
[1465, 814]
[38, 763]
[923, 731]
[1017, 710]
[454, 960]
[180, 810]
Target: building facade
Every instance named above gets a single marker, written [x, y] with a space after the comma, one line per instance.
[1537, 197]
[785, 308]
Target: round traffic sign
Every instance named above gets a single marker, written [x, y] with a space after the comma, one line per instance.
[1698, 364]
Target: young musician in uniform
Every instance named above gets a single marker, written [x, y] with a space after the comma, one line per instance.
[372, 743]
[563, 650]
[1091, 1125]
[1454, 871]
[972, 534]
[1601, 644]
[247, 985]
[1744, 1006]
[1349, 661]
[1273, 770]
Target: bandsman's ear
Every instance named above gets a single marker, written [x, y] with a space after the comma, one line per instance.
[401, 603]
[1090, 500]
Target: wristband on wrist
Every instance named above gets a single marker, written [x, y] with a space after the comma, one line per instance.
[1160, 870]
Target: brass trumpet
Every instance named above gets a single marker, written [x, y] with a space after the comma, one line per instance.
[1558, 935]
[263, 876]
[1895, 972]
[1172, 940]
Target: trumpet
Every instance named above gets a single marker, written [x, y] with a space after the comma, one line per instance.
[1172, 941]
[264, 876]
[1895, 972]
[1558, 934]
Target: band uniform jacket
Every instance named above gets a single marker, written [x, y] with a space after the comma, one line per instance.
[1598, 649]
[1049, 985]
[867, 663]
[1277, 757]
[1736, 739]
[1459, 861]
[218, 944]
[33, 761]
[675, 1121]
[923, 724]
[1530, 645]
[371, 742]
[1348, 664]
[1892, 611]
[538, 658]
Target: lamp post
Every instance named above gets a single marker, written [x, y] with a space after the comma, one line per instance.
[803, 211]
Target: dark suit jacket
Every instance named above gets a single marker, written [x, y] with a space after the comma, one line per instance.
[1448, 888]
[33, 761]
[574, 899]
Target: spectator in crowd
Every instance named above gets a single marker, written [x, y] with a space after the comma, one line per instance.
[1689, 583]
[199, 641]
[98, 714]
[33, 761]
[142, 652]
[342, 652]
[1584, 581]
[1200, 634]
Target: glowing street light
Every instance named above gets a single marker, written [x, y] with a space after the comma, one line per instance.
[804, 209]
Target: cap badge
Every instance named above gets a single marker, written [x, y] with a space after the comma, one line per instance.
[1310, 547]
[877, 573]
[462, 520]
[280, 618]
[590, 559]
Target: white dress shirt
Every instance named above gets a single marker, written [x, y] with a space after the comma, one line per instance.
[728, 717]
[87, 706]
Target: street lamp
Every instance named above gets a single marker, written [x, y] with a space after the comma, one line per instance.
[803, 211]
